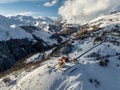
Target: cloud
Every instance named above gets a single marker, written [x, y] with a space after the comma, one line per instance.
[26, 13]
[12, 1]
[19, 13]
[79, 11]
[49, 4]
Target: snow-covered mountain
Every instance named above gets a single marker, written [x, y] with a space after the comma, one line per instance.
[96, 46]
[10, 27]
[21, 36]
[29, 20]
[115, 10]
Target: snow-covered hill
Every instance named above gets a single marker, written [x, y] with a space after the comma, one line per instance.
[96, 46]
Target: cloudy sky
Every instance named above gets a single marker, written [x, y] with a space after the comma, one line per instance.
[30, 7]
[72, 10]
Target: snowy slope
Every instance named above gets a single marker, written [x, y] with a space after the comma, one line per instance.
[106, 20]
[10, 26]
[9, 31]
[88, 73]
[43, 79]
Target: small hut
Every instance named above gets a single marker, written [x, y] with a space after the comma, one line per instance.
[60, 64]
[64, 59]
[74, 60]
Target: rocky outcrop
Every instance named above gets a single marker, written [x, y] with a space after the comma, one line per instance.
[69, 29]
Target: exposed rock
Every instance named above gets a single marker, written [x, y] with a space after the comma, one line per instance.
[69, 29]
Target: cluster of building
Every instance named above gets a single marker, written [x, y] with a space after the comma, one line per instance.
[63, 60]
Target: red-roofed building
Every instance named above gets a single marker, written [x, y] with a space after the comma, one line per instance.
[60, 64]
[64, 59]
